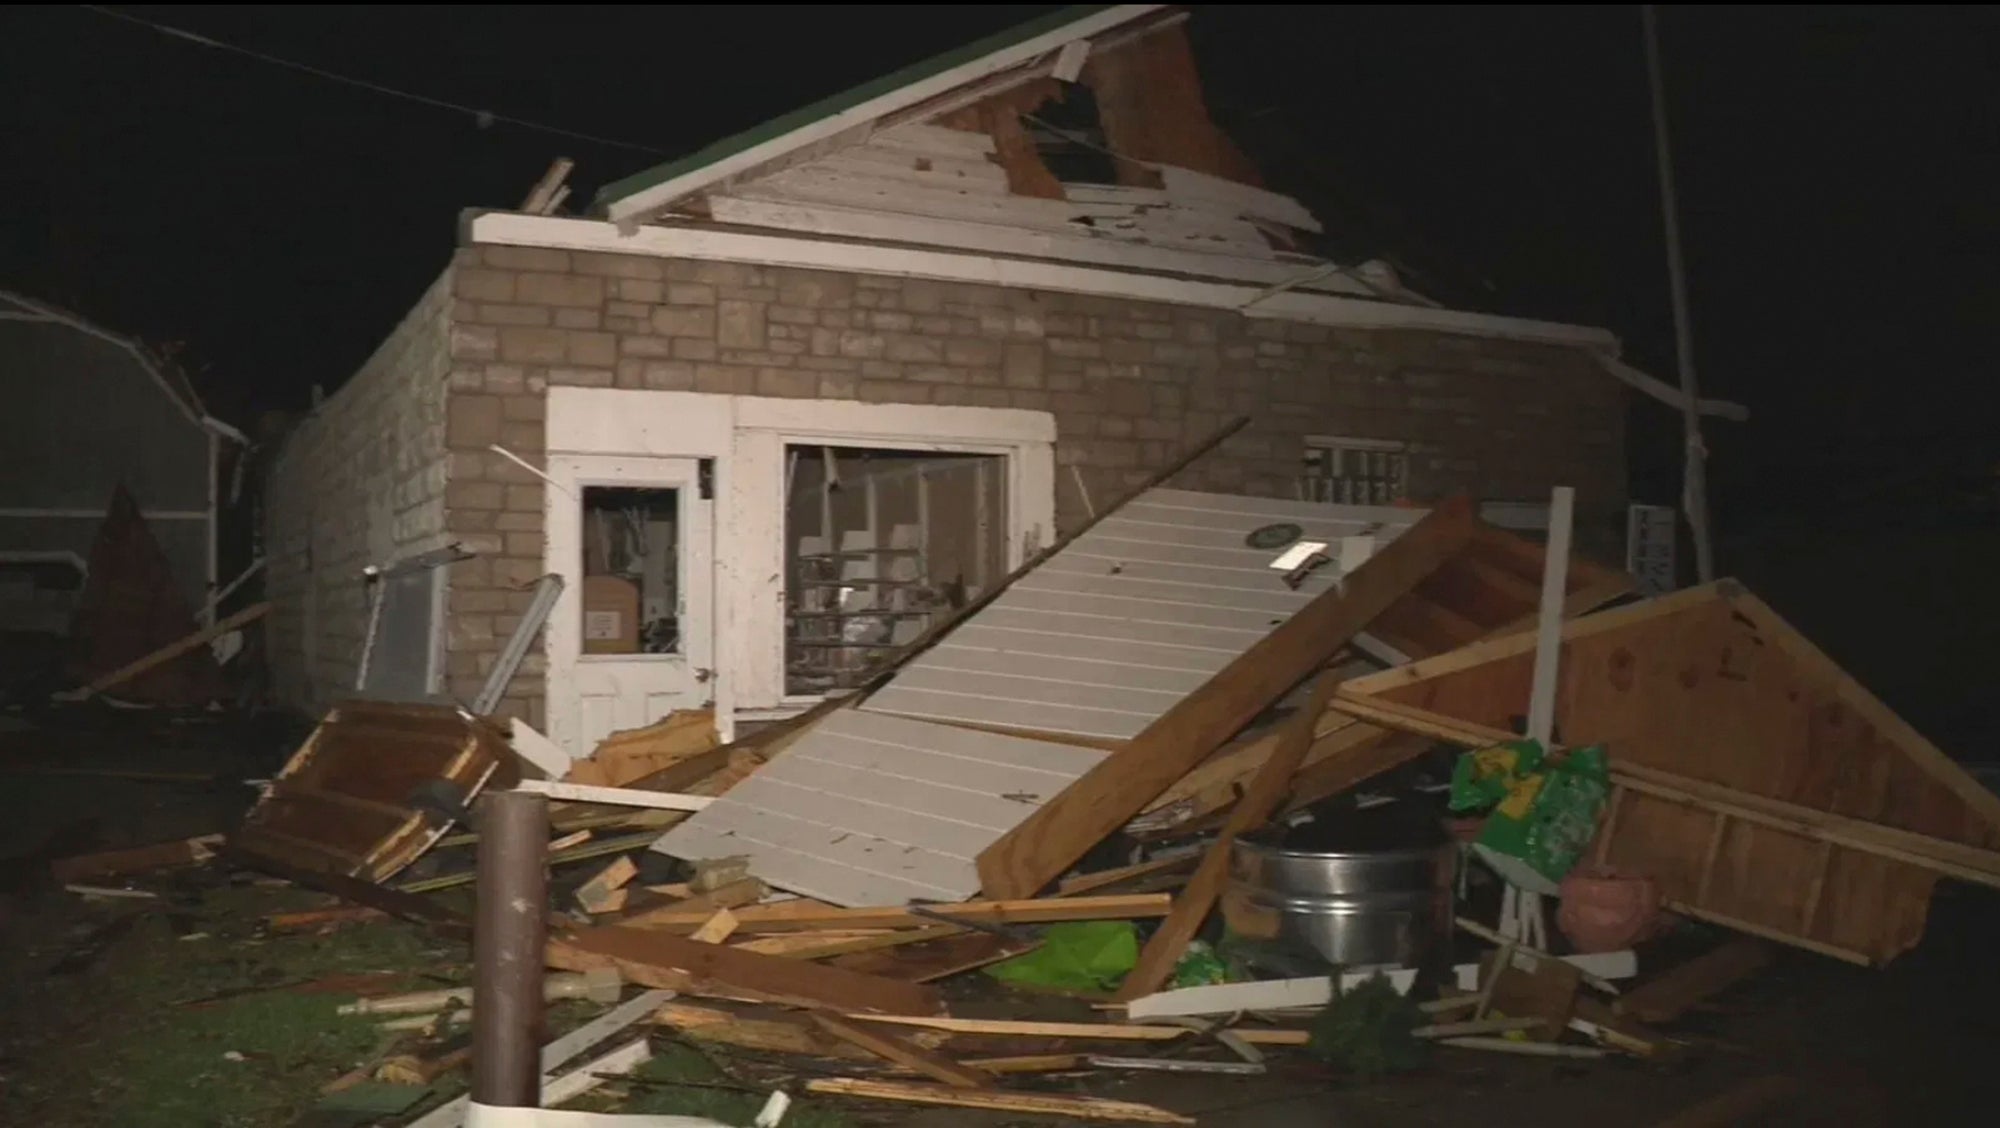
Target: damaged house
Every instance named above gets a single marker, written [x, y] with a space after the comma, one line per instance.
[771, 410]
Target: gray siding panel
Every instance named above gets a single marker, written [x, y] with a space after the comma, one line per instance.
[1108, 634]
[868, 809]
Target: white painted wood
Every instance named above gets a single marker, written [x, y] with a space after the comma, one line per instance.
[868, 809]
[1136, 582]
[1226, 623]
[977, 174]
[590, 696]
[924, 139]
[813, 254]
[906, 426]
[539, 750]
[1069, 720]
[1112, 630]
[1182, 184]
[1062, 667]
[1022, 695]
[818, 184]
[1549, 619]
[451, 1114]
[1069, 61]
[616, 796]
[990, 635]
[754, 207]
[748, 160]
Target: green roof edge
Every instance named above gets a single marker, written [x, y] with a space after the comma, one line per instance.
[826, 107]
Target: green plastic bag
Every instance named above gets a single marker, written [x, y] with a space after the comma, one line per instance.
[1199, 967]
[1545, 810]
[1087, 955]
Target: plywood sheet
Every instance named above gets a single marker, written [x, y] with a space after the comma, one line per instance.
[866, 809]
[1109, 633]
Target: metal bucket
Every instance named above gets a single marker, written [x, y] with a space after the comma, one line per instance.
[1372, 892]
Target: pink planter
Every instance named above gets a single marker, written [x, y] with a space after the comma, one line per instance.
[1606, 911]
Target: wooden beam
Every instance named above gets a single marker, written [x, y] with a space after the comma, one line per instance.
[1042, 1104]
[937, 958]
[615, 796]
[175, 649]
[901, 1051]
[792, 916]
[1669, 995]
[1085, 883]
[1032, 854]
[395, 902]
[680, 964]
[1266, 791]
[1106, 1031]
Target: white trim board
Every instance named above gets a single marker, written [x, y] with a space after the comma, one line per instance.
[746, 438]
[865, 114]
[565, 233]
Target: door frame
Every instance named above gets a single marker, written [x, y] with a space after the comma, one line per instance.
[562, 638]
[746, 437]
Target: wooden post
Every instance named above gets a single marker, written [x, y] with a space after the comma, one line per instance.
[510, 928]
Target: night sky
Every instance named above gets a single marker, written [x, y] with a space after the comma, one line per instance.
[1836, 169]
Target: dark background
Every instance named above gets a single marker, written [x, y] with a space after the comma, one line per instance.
[1837, 171]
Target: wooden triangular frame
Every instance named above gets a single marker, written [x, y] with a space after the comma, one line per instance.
[1712, 685]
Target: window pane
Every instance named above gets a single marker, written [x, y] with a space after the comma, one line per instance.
[631, 570]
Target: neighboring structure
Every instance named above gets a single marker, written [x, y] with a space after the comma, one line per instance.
[89, 410]
[799, 393]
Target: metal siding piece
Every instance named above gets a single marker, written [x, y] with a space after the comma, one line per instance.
[866, 809]
[1168, 583]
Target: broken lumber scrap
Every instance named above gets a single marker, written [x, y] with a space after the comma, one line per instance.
[635, 754]
[421, 1069]
[1594, 1018]
[1043, 1104]
[395, 902]
[781, 1032]
[716, 929]
[656, 959]
[937, 958]
[175, 649]
[614, 796]
[1090, 882]
[600, 985]
[1106, 1031]
[1259, 802]
[837, 942]
[1673, 993]
[698, 907]
[605, 891]
[1526, 985]
[135, 859]
[900, 1051]
[328, 917]
[811, 916]
[1049, 840]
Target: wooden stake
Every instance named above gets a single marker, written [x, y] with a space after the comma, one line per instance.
[900, 1051]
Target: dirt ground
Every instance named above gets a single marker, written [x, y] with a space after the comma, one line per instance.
[177, 1012]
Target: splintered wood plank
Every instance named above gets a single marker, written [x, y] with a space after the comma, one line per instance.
[715, 929]
[788, 916]
[903, 1052]
[1034, 852]
[677, 963]
[1260, 801]
[1042, 1104]
[934, 959]
[1106, 1031]
[1673, 993]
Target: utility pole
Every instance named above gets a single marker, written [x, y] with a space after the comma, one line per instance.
[1694, 475]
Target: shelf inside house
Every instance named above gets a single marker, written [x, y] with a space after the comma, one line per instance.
[880, 544]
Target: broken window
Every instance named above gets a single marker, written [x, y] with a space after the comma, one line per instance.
[1352, 471]
[879, 545]
[631, 570]
[1070, 139]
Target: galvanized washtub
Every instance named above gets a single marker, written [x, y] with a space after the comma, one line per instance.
[1358, 888]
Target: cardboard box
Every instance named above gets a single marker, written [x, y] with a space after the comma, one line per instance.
[610, 615]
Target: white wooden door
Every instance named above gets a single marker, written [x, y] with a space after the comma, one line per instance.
[591, 695]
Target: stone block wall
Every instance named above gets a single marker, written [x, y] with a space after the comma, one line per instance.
[360, 482]
[1130, 384]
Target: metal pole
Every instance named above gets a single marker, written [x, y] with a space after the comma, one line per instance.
[1694, 477]
[509, 929]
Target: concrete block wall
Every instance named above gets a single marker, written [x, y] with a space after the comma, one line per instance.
[360, 482]
[1130, 384]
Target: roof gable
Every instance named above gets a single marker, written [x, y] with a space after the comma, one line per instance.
[862, 107]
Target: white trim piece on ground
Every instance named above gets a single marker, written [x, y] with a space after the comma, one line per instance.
[539, 750]
[615, 796]
[874, 109]
[1317, 990]
[452, 1114]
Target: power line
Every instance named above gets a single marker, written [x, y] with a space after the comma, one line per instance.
[483, 117]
